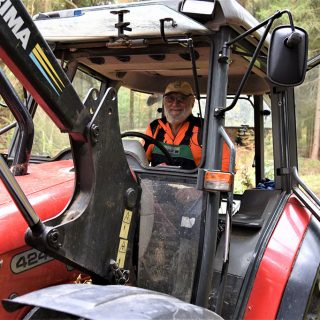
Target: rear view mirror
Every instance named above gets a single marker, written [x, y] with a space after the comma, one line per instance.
[287, 59]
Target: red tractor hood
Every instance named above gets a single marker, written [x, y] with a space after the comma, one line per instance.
[48, 187]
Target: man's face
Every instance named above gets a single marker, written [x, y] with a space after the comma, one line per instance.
[177, 107]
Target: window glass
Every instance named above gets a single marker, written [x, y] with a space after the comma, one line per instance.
[239, 123]
[6, 117]
[82, 83]
[308, 129]
[268, 140]
[48, 140]
[137, 109]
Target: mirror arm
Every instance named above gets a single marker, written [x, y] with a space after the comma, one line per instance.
[290, 19]
[220, 112]
[225, 48]
[291, 41]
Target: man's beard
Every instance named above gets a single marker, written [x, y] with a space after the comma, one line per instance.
[176, 119]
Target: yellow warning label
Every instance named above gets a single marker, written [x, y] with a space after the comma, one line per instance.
[123, 244]
[125, 226]
[124, 230]
[127, 215]
[121, 258]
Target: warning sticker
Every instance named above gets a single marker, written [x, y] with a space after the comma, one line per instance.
[124, 230]
[123, 244]
[127, 215]
[123, 235]
[121, 257]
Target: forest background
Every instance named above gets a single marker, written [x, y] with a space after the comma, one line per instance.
[305, 13]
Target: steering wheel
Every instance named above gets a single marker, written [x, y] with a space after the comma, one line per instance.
[151, 140]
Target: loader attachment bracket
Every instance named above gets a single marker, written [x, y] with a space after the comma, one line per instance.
[98, 225]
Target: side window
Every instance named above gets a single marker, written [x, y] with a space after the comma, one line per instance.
[137, 109]
[48, 140]
[240, 127]
[6, 117]
[83, 82]
[268, 139]
[308, 128]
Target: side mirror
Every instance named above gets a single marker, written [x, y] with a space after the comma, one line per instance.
[287, 59]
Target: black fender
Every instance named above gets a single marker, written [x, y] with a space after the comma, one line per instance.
[107, 302]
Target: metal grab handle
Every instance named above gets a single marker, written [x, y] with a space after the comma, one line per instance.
[303, 192]
[20, 199]
[228, 222]
[305, 187]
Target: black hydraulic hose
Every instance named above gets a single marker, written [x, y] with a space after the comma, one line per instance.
[25, 123]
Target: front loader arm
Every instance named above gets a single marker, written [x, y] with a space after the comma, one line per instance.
[29, 57]
[97, 227]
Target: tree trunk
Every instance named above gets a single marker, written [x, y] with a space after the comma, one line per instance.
[316, 134]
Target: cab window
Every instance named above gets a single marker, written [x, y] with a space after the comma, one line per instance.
[6, 117]
[137, 109]
[239, 123]
[308, 128]
[48, 140]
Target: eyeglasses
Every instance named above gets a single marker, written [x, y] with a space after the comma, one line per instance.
[179, 98]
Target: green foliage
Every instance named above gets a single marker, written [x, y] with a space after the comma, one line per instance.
[5, 119]
[134, 113]
[310, 173]
[48, 140]
[305, 14]
[305, 111]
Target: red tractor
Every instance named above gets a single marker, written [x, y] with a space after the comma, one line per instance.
[93, 231]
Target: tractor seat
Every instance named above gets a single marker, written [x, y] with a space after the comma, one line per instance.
[135, 153]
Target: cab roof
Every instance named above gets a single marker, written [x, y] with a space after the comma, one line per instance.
[140, 59]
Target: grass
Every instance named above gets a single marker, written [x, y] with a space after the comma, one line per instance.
[309, 172]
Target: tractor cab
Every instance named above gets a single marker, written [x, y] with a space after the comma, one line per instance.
[96, 79]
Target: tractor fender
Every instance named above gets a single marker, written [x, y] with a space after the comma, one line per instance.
[108, 302]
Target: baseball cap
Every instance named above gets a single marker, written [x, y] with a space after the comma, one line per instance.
[183, 87]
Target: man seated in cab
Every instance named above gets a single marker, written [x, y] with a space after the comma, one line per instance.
[179, 131]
